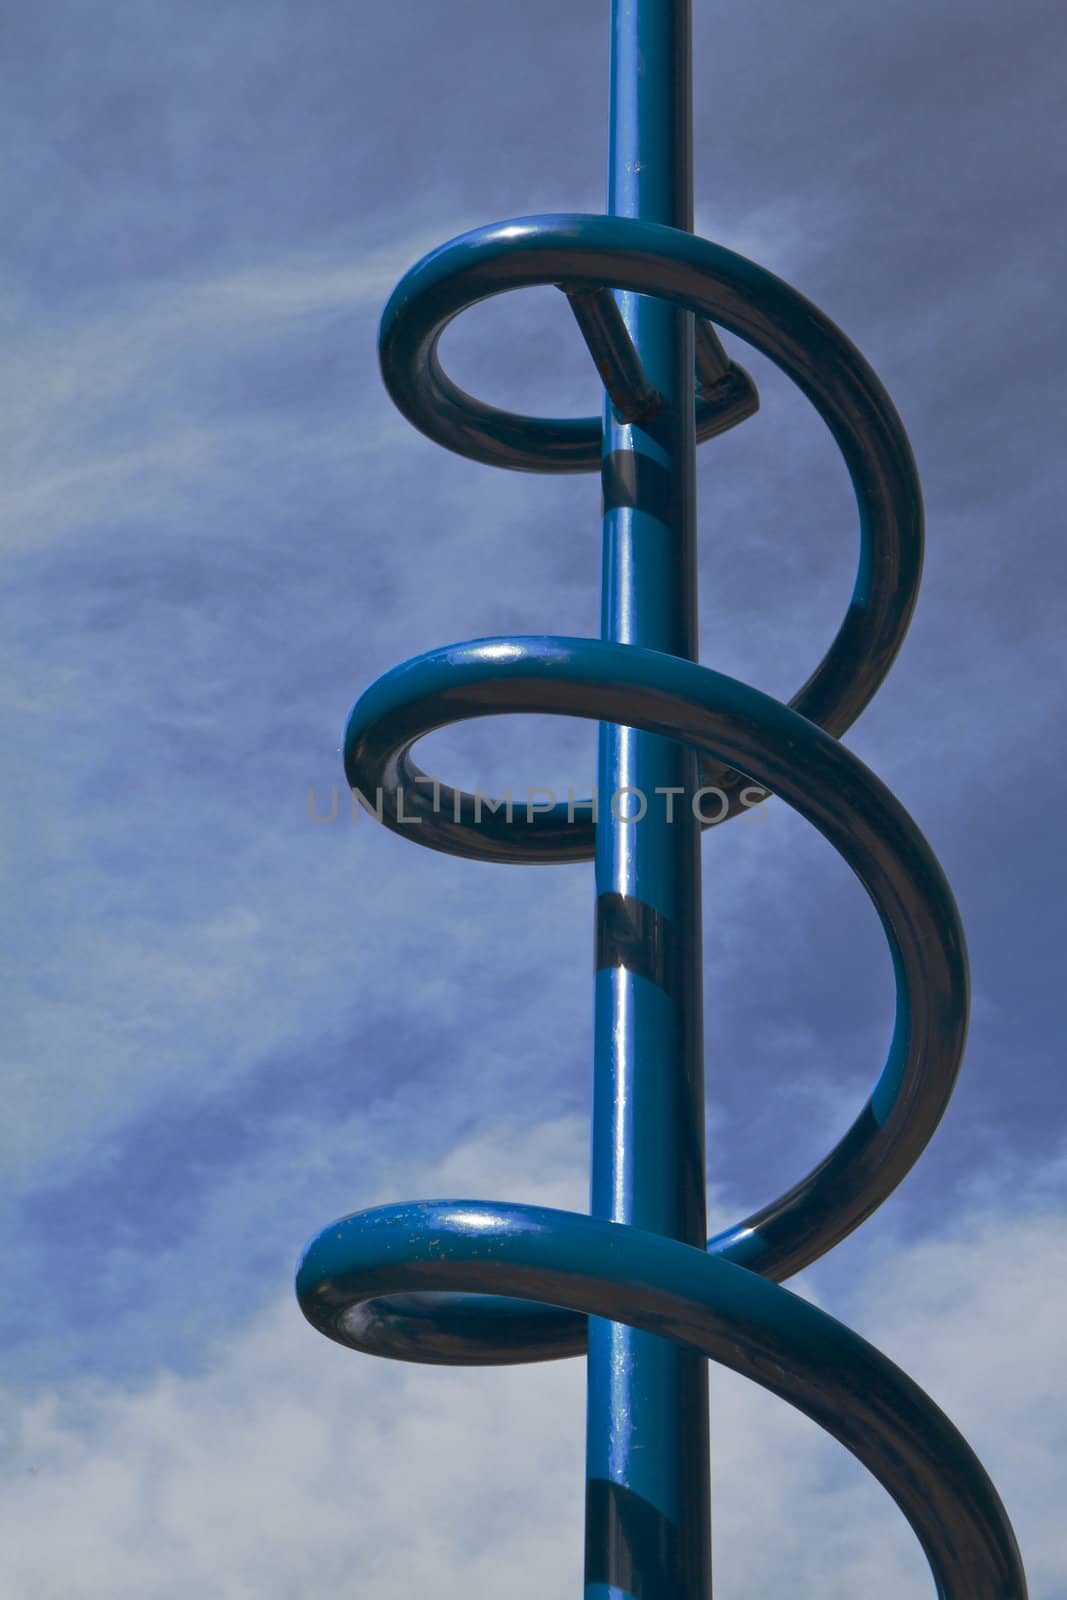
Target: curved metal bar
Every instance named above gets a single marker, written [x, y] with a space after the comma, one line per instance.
[587, 250]
[735, 1317]
[760, 308]
[813, 773]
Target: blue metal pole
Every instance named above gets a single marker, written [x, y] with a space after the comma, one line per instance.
[470, 1282]
[648, 1499]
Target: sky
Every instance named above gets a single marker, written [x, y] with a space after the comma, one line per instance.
[226, 1022]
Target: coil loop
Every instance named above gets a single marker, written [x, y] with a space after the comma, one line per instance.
[463, 1282]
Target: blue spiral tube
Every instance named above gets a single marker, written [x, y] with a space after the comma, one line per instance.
[636, 1284]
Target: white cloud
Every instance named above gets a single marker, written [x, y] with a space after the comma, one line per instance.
[287, 1465]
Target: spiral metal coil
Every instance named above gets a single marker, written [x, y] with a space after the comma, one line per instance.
[466, 1282]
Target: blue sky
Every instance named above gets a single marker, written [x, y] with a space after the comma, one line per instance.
[226, 1023]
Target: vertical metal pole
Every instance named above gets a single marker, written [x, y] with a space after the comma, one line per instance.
[648, 1501]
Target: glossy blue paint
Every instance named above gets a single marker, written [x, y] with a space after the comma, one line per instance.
[777, 749]
[648, 1499]
[465, 1282]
